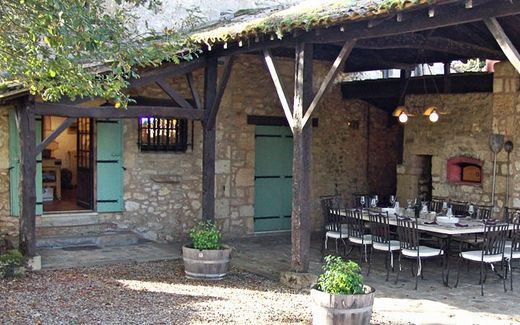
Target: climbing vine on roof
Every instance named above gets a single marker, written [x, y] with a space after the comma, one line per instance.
[79, 48]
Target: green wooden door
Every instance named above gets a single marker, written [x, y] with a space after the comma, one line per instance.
[14, 167]
[109, 165]
[273, 178]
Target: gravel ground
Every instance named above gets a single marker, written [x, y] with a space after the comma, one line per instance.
[148, 293]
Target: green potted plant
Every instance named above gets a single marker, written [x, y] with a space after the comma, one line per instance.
[12, 263]
[340, 297]
[206, 257]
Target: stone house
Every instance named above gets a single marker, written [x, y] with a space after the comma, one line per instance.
[156, 171]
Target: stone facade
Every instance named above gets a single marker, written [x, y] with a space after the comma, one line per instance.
[8, 225]
[339, 150]
[353, 142]
[465, 131]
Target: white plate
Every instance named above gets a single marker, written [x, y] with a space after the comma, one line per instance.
[450, 220]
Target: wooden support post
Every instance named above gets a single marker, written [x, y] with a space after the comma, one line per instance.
[209, 141]
[504, 42]
[302, 136]
[26, 131]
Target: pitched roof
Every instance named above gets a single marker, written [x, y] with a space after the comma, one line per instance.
[304, 16]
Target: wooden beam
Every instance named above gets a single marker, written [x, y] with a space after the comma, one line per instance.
[278, 85]
[450, 14]
[437, 43]
[212, 117]
[446, 15]
[63, 126]
[173, 94]
[27, 134]
[169, 71]
[209, 142]
[112, 112]
[503, 40]
[329, 78]
[193, 89]
[302, 138]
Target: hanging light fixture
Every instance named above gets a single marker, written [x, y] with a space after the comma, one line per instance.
[432, 113]
[401, 113]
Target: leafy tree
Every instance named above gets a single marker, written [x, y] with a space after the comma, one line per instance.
[80, 48]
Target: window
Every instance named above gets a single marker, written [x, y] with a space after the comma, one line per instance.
[162, 134]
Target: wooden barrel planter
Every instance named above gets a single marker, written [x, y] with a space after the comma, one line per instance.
[206, 264]
[342, 309]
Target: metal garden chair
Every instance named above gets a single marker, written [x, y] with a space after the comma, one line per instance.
[334, 223]
[412, 249]
[492, 252]
[357, 234]
[512, 247]
[381, 239]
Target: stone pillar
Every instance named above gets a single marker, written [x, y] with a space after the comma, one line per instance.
[506, 110]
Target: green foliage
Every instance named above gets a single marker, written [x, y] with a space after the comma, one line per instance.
[80, 48]
[205, 235]
[340, 277]
[9, 261]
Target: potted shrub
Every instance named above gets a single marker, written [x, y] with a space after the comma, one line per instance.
[340, 297]
[11, 263]
[206, 257]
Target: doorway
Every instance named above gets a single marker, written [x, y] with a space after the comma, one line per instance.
[424, 183]
[273, 178]
[68, 166]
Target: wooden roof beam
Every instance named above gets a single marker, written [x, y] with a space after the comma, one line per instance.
[505, 43]
[112, 112]
[329, 78]
[279, 86]
[435, 43]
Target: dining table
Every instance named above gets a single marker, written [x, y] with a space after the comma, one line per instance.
[465, 226]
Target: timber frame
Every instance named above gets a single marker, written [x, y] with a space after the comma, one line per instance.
[350, 46]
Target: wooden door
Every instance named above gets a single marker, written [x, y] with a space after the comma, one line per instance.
[273, 178]
[85, 168]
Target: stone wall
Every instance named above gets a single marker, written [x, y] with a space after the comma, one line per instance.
[8, 224]
[167, 211]
[506, 114]
[463, 131]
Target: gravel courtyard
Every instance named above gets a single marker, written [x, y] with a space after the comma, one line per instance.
[147, 293]
[158, 293]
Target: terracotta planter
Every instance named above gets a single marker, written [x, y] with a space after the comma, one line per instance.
[342, 309]
[206, 264]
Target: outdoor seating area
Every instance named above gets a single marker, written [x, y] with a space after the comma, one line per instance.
[454, 233]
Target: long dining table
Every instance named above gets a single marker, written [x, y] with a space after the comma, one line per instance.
[446, 231]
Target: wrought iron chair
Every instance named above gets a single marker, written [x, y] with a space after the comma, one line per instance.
[381, 239]
[512, 247]
[357, 234]
[459, 208]
[436, 205]
[412, 249]
[492, 252]
[484, 212]
[334, 221]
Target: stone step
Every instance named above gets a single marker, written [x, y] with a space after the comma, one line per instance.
[105, 239]
[58, 220]
[75, 230]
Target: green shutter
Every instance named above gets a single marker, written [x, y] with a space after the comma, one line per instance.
[109, 166]
[14, 167]
[39, 178]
